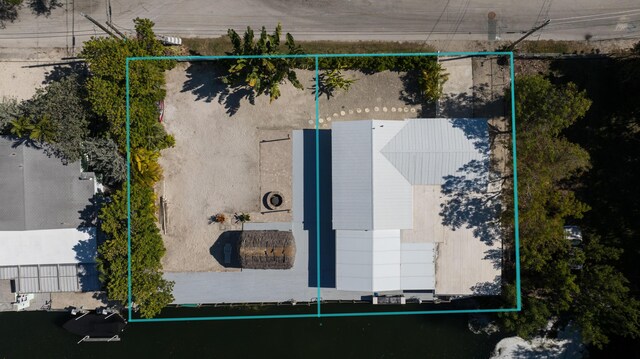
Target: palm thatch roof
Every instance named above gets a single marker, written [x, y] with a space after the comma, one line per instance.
[266, 249]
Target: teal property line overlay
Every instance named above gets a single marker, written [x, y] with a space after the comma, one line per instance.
[129, 295]
[515, 181]
[317, 61]
[319, 314]
[327, 315]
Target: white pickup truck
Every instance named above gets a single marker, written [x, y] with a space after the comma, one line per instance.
[170, 40]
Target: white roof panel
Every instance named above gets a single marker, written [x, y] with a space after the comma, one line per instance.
[427, 150]
[392, 193]
[351, 171]
[418, 267]
[49, 246]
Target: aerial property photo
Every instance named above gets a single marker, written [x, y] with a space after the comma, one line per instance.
[344, 184]
[313, 179]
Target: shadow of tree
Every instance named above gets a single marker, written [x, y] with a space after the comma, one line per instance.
[469, 203]
[476, 130]
[479, 102]
[488, 288]
[43, 7]
[58, 72]
[495, 256]
[86, 252]
[411, 93]
[22, 141]
[228, 239]
[205, 82]
[89, 214]
[86, 249]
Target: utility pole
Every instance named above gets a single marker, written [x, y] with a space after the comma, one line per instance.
[98, 25]
[73, 27]
[512, 46]
[110, 24]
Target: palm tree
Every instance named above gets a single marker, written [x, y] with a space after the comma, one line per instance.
[21, 127]
[262, 75]
[147, 170]
[43, 131]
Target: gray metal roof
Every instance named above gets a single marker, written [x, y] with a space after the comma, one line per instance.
[427, 150]
[45, 278]
[38, 191]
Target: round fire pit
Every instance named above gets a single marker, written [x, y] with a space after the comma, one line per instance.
[273, 200]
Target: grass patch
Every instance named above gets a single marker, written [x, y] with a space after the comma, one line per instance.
[554, 47]
[221, 45]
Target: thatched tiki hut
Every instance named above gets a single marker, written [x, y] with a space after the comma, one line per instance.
[266, 249]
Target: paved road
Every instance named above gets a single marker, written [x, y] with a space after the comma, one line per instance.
[336, 19]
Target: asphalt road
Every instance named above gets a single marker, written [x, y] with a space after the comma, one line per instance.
[335, 19]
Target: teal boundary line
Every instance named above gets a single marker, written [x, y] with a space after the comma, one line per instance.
[129, 290]
[515, 182]
[319, 314]
[312, 56]
[317, 62]
[326, 315]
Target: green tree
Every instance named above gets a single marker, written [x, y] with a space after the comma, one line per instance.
[150, 292]
[68, 116]
[262, 75]
[605, 305]
[106, 58]
[9, 111]
[21, 127]
[431, 82]
[103, 158]
[43, 130]
[332, 79]
[107, 86]
[146, 168]
[547, 163]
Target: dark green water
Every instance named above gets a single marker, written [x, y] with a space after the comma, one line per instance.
[39, 335]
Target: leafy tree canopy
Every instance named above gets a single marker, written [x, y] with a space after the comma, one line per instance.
[150, 292]
[107, 86]
[546, 161]
[60, 116]
[262, 75]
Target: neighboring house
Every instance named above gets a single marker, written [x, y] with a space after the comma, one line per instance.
[387, 178]
[45, 245]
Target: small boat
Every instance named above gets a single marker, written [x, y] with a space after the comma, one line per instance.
[101, 325]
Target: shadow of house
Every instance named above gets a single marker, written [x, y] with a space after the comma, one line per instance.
[322, 237]
[205, 82]
[231, 241]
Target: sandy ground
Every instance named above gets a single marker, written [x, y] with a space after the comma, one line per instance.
[19, 82]
[22, 72]
[215, 165]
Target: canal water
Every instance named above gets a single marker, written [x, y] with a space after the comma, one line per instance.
[40, 335]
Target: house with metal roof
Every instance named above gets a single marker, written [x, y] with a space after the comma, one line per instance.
[46, 244]
[387, 178]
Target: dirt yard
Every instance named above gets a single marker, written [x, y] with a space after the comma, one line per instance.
[223, 154]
